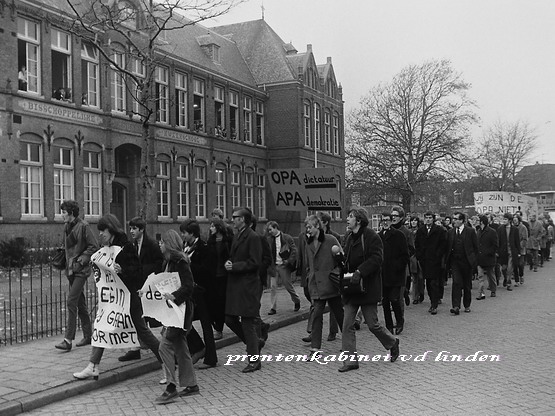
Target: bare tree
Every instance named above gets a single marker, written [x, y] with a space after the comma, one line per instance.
[141, 27]
[409, 132]
[503, 150]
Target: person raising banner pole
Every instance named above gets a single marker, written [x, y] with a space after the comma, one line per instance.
[128, 268]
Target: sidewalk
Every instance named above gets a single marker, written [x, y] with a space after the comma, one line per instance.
[35, 374]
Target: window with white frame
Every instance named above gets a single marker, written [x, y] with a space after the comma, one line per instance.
[249, 190]
[90, 80]
[63, 176]
[28, 55]
[220, 189]
[327, 131]
[235, 186]
[336, 134]
[261, 195]
[306, 119]
[247, 119]
[163, 191]
[200, 185]
[260, 123]
[317, 138]
[31, 177]
[92, 182]
[61, 65]
[198, 105]
[181, 104]
[117, 84]
[162, 95]
[233, 114]
[182, 189]
[219, 110]
[139, 71]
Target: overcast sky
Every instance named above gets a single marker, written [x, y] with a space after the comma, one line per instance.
[504, 48]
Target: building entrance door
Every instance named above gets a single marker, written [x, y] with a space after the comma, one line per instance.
[118, 207]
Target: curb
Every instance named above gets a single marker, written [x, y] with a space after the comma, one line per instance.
[109, 377]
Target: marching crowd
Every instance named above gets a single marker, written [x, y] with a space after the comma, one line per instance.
[222, 278]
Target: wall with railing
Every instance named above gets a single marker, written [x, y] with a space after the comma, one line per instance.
[33, 302]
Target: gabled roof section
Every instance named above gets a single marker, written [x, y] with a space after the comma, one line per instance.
[537, 178]
[326, 71]
[264, 51]
[188, 43]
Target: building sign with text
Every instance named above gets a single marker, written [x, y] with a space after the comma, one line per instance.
[296, 189]
[59, 112]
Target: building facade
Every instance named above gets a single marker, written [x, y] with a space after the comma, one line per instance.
[231, 103]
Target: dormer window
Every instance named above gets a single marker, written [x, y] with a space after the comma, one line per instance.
[210, 47]
[215, 52]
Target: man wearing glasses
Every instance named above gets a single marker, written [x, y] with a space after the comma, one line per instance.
[430, 242]
[462, 258]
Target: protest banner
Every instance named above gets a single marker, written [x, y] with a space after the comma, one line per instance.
[113, 326]
[156, 306]
[500, 202]
[305, 189]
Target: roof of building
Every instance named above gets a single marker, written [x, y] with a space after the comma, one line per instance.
[537, 177]
[269, 58]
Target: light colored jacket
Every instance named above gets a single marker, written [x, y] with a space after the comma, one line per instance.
[536, 232]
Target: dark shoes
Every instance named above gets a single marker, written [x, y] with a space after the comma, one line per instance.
[349, 367]
[195, 357]
[394, 351]
[467, 310]
[332, 337]
[272, 312]
[407, 299]
[455, 311]
[166, 397]
[297, 307]
[83, 342]
[356, 325]
[205, 366]
[481, 297]
[308, 338]
[433, 311]
[64, 346]
[189, 391]
[131, 355]
[493, 295]
[253, 366]
[399, 329]
[509, 288]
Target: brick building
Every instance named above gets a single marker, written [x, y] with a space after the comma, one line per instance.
[232, 102]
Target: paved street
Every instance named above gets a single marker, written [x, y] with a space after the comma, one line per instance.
[515, 326]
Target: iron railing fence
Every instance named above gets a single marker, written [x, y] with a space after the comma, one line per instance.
[33, 302]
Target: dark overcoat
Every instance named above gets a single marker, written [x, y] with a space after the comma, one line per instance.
[243, 283]
[395, 257]
[488, 243]
[430, 250]
[367, 258]
[470, 244]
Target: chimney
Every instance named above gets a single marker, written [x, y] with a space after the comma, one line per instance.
[309, 47]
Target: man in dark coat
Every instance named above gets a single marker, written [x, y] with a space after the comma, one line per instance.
[509, 249]
[430, 242]
[462, 258]
[151, 260]
[398, 222]
[395, 260]
[488, 243]
[243, 285]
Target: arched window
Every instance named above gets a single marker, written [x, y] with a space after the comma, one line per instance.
[64, 174]
[183, 188]
[200, 188]
[221, 187]
[92, 180]
[235, 186]
[163, 186]
[31, 171]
